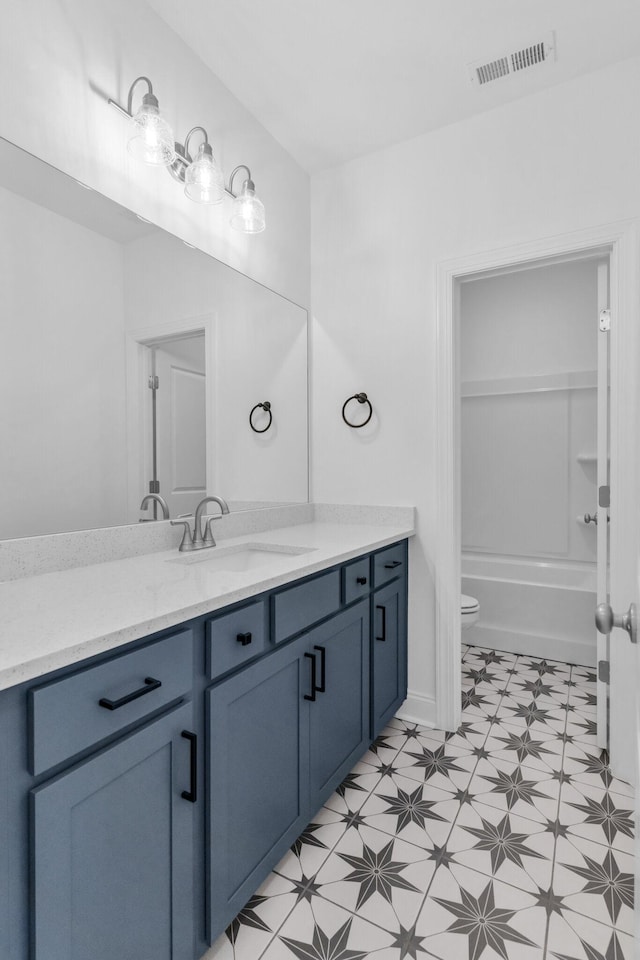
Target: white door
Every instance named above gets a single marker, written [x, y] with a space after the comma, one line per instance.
[624, 545]
[181, 423]
[602, 500]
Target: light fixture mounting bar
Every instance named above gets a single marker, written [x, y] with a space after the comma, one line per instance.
[120, 109]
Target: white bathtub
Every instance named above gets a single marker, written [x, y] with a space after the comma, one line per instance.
[542, 609]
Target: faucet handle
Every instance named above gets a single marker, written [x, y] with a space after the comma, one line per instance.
[187, 539]
[208, 533]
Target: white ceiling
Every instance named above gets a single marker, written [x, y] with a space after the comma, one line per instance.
[337, 79]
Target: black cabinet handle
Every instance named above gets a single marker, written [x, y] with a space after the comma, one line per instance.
[149, 685]
[312, 695]
[192, 793]
[244, 638]
[323, 654]
[393, 564]
[361, 580]
[384, 623]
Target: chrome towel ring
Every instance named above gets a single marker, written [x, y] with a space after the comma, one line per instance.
[361, 398]
[266, 406]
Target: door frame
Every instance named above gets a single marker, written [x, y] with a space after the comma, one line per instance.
[620, 240]
[138, 415]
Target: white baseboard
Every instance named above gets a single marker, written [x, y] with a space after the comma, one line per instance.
[532, 645]
[418, 708]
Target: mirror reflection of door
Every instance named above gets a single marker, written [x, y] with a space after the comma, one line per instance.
[178, 441]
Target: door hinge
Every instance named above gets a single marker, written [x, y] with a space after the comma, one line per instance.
[604, 496]
[154, 383]
[154, 486]
[604, 672]
[605, 320]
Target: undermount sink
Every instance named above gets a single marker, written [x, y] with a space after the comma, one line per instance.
[241, 558]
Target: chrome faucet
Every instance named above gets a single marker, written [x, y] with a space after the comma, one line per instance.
[158, 499]
[200, 541]
[197, 541]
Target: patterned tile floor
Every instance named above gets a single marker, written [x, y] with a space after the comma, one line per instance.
[506, 839]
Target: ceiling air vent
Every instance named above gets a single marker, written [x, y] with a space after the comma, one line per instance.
[486, 71]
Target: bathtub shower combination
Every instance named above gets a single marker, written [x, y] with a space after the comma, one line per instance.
[529, 407]
[532, 607]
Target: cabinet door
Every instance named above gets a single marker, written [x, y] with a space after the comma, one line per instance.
[112, 851]
[388, 653]
[257, 771]
[339, 715]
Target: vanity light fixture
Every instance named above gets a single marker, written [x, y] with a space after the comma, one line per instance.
[248, 210]
[203, 179]
[152, 141]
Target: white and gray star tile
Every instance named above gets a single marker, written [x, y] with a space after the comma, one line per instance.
[595, 881]
[381, 878]
[511, 787]
[597, 815]
[416, 812]
[469, 916]
[321, 930]
[537, 749]
[445, 765]
[503, 845]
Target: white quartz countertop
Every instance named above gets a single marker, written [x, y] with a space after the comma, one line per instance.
[60, 618]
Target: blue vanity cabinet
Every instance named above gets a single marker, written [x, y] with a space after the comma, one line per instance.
[257, 802]
[112, 851]
[283, 733]
[339, 713]
[388, 652]
[103, 854]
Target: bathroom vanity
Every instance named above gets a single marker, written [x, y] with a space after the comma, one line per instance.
[169, 722]
[149, 784]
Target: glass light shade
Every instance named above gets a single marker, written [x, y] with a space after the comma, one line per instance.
[248, 210]
[152, 141]
[204, 181]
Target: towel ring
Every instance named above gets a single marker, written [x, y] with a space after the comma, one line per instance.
[361, 398]
[266, 406]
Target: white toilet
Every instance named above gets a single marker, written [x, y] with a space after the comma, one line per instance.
[469, 610]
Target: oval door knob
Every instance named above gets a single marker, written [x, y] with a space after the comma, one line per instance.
[606, 620]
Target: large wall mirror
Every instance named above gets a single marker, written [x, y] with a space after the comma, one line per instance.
[130, 362]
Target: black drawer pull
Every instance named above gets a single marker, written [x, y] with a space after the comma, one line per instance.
[384, 623]
[393, 564]
[192, 793]
[314, 687]
[323, 654]
[244, 638]
[149, 685]
[361, 580]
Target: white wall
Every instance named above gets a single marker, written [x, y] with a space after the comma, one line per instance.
[60, 60]
[528, 365]
[534, 168]
[61, 339]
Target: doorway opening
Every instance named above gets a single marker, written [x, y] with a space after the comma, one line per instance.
[175, 447]
[533, 433]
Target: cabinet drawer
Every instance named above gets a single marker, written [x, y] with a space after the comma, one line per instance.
[389, 564]
[356, 580]
[234, 638]
[67, 715]
[299, 607]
